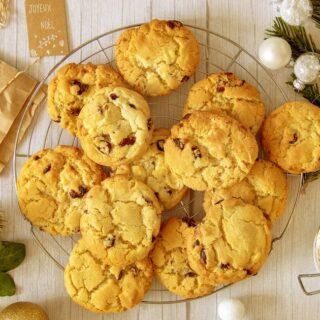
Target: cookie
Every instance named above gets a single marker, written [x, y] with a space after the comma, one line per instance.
[115, 127]
[171, 265]
[291, 137]
[231, 243]
[225, 92]
[207, 150]
[153, 171]
[157, 57]
[102, 288]
[52, 185]
[69, 90]
[265, 187]
[122, 218]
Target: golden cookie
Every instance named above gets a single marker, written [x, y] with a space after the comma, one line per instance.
[231, 243]
[122, 218]
[291, 137]
[265, 187]
[171, 265]
[157, 57]
[153, 171]
[209, 150]
[51, 186]
[102, 288]
[225, 92]
[115, 127]
[74, 83]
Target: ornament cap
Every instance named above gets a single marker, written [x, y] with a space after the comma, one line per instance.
[299, 85]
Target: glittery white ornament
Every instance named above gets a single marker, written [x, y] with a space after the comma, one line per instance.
[306, 69]
[296, 12]
[231, 309]
[275, 53]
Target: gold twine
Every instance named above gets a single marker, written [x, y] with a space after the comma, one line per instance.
[4, 12]
[18, 74]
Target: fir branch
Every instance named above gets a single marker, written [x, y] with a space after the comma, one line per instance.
[316, 12]
[297, 37]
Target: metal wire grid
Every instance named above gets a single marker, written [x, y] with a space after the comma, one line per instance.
[187, 204]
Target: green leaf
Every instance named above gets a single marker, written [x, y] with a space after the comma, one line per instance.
[11, 255]
[7, 286]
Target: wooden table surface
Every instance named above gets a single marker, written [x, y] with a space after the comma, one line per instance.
[275, 292]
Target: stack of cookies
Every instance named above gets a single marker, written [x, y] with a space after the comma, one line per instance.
[114, 191]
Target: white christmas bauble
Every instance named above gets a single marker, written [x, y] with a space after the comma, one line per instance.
[295, 12]
[231, 309]
[275, 53]
[307, 67]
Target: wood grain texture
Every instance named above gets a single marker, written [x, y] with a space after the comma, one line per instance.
[274, 293]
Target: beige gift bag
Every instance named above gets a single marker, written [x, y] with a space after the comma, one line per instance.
[15, 90]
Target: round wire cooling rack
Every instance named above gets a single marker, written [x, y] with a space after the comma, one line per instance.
[217, 54]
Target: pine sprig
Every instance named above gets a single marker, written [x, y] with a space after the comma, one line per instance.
[301, 43]
[297, 37]
[316, 12]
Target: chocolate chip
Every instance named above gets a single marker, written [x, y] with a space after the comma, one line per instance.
[132, 106]
[75, 111]
[36, 158]
[168, 190]
[190, 274]
[47, 169]
[101, 110]
[249, 272]
[219, 201]
[109, 241]
[83, 190]
[120, 275]
[113, 96]
[196, 152]
[294, 139]
[108, 171]
[220, 89]
[174, 23]
[196, 243]
[128, 141]
[225, 266]
[73, 194]
[178, 143]
[85, 211]
[149, 124]
[185, 78]
[82, 87]
[156, 194]
[203, 256]
[186, 116]
[160, 144]
[189, 221]
[134, 270]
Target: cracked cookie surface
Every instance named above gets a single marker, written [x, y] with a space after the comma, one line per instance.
[115, 127]
[157, 57]
[171, 265]
[102, 288]
[291, 137]
[69, 90]
[51, 187]
[122, 219]
[265, 186]
[227, 93]
[153, 171]
[231, 243]
[210, 149]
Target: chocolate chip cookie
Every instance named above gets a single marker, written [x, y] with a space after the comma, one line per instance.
[51, 187]
[115, 127]
[157, 57]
